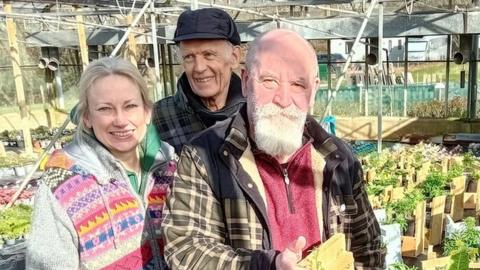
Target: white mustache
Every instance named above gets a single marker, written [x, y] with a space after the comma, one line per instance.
[271, 109]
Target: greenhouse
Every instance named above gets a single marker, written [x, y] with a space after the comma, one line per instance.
[397, 84]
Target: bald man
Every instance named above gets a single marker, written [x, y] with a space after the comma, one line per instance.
[259, 191]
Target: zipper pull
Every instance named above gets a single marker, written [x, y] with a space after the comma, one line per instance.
[291, 207]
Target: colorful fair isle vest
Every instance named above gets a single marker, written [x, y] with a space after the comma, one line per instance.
[112, 228]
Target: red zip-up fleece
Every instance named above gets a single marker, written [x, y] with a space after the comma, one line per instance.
[290, 195]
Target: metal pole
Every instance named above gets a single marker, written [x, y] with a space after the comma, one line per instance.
[447, 81]
[349, 58]
[405, 79]
[129, 29]
[472, 80]
[164, 71]
[170, 69]
[155, 51]
[59, 88]
[193, 4]
[380, 78]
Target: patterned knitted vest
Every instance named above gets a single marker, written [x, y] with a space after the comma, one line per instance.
[116, 228]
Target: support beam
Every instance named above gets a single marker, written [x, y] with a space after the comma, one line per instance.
[134, 22]
[82, 39]
[380, 77]
[164, 93]
[472, 79]
[350, 56]
[17, 73]
[170, 69]
[327, 28]
[155, 52]
[132, 43]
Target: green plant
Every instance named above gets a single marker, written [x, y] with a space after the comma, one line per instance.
[456, 170]
[464, 241]
[434, 185]
[377, 186]
[401, 266]
[15, 221]
[459, 259]
[436, 109]
[402, 210]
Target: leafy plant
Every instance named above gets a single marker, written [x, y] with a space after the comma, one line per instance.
[402, 210]
[456, 170]
[15, 221]
[377, 186]
[459, 259]
[401, 266]
[464, 241]
[434, 185]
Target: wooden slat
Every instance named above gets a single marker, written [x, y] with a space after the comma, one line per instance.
[413, 246]
[332, 254]
[444, 165]
[436, 221]
[17, 75]
[397, 193]
[458, 187]
[82, 39]
[436, 263]
[470, 200]
[387, 193]
[132, 43]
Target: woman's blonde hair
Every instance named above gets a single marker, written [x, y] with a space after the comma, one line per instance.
[101, 68]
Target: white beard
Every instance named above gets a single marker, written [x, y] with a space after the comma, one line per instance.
[278, 131]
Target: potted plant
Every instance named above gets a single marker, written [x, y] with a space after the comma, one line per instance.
[401, 211]
[463, 243]
[15, 222]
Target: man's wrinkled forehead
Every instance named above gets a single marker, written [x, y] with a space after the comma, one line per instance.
[285, 47]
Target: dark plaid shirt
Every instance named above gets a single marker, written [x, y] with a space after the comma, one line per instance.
[216, 217]
[180, 117]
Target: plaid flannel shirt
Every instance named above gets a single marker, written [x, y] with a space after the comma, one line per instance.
[216, 217]
[176, 120]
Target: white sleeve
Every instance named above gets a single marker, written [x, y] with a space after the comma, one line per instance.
[53, 241]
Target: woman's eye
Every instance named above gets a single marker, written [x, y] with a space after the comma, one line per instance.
[103, 109]
[130, 106]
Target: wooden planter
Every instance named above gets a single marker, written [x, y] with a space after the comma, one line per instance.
[412, 246]
[436, 220]
[458, 193]
[332, 254]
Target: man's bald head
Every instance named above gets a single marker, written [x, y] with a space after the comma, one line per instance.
[285, 43]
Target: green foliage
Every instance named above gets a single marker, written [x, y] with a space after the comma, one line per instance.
[12, 159]
[402, 210]
[463, 241]
[460, 259]
[401, 266]
[456, 170]
[15, 221]
[377, 186]
[434, 185]
[436, 109]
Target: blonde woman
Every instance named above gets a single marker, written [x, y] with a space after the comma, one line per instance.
[100, 202]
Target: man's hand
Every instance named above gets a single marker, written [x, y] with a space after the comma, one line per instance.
[288, 259]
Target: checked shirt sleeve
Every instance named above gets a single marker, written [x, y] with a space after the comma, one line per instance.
[193, 228]
[366, 238]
